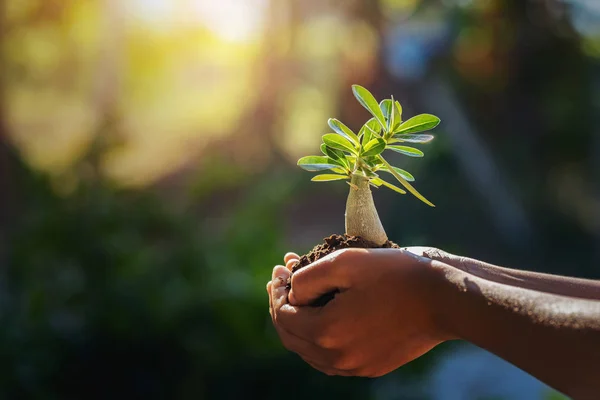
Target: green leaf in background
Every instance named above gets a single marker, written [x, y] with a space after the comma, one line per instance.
[328, 177]
[339, 127]
[419, 123]
[374, 147]
[405, 174]
[366, 99]
[412, 138]
[407, 151]
[316, 163]
[339, 142]
[379, 182]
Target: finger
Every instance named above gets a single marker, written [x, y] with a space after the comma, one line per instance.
[269, 285]
[279, 292]
[301, 346]
[291, 263]
[290, 256]
[303, 322]
[327, 369]
[320, 277]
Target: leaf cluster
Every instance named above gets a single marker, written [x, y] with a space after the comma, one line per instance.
[346, 153]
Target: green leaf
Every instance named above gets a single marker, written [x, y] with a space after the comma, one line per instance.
[341, 171]
[374, 126]
[387, 110]
[339, 142]
[372, 161]
[343, 130]
[336, 155]
[366, 99]
[397, 115]
[373, 148]
[405, 174]
[369, 173]
[328, 177]
[419, 123]
[412, 138]
[404, 183]
[316, 163]
[392, 112]
[391, 121]
[324, 148]
[379, 182]
[407, 151]
[365, 135]
[351, 160]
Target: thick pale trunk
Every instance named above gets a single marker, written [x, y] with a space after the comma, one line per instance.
[361, 215]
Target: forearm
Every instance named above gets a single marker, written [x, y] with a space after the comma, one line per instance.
[566, 286]
[553, 337]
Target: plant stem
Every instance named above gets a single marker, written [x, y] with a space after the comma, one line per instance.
[361, 215]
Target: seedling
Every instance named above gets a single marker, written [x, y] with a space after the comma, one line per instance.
[358, 159]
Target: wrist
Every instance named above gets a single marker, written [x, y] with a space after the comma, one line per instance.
[445, 284]
[436, 292]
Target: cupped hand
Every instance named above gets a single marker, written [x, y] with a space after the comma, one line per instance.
[385, 314]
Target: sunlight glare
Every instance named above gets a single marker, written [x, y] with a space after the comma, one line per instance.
[231, 20]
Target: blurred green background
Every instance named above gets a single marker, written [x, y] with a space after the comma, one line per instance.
[148, 181]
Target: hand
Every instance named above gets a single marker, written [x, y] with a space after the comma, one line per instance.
[383, 316]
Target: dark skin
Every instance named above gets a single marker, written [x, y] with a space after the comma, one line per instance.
[395, 305]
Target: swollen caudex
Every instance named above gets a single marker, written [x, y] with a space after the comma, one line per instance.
[361, 215]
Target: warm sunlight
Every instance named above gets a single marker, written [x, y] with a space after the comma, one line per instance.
[232, 20]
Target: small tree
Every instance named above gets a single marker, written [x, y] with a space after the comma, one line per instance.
[358, 159]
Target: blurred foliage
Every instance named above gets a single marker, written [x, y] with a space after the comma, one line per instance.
[110, 294]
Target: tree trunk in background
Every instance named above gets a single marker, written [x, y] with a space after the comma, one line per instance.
[595, 151]
[6, 160]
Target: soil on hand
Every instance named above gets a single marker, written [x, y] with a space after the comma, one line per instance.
[329, 245]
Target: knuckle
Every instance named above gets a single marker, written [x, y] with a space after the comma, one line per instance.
[288, 342]
[296, 278]
[464, 261]
[325, 341]
[344, 362]
[327, 337]
[344, 255]
[433, 252]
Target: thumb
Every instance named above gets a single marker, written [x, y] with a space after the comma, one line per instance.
[321, 277]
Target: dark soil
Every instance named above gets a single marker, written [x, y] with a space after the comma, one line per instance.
[329, 245]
